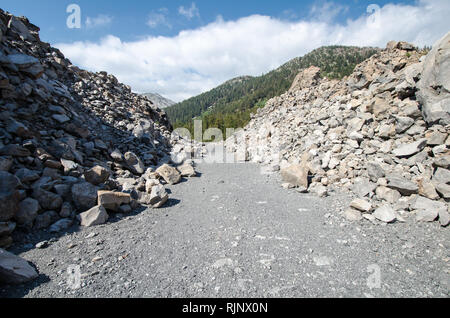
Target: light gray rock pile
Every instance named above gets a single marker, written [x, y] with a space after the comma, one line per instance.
[382, 133]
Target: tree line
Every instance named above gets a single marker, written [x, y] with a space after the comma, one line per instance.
[231, 104]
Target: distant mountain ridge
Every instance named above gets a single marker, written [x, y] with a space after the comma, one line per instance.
[230, 104]
[160, 101]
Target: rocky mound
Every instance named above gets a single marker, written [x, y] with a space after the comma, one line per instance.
[72, 141]
[158, 100]
[382, 133]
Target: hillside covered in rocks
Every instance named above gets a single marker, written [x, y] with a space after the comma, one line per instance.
[229, 105]
[75, 146]
[381, 133]
[80, 148]
[158, 100]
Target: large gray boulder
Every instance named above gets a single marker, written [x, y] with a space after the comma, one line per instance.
[169, 174]
[6, 228]
[296, 175]
[385, 214]
[9, 196]
[84, 195]
[20, 28]
[15, 270]
[113, 200]
[427, 210]
[306, 78]
[405, 187]
[158, 196]
[27, 213]
[408, 150]
[134, 163]
[434, 85]
[95, 216]
[47, 200]
[97, 175]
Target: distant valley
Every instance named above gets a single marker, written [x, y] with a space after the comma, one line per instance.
[230, 104]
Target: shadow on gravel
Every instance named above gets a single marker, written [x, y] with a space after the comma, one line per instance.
[20, 291]
[171, 202]
[183, 180]
[25, 242]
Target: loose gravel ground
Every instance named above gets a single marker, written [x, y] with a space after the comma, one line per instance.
[234, 232]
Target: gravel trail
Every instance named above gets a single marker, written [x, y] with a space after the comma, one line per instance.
[234, 232]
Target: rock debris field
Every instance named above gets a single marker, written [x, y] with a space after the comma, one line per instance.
[242, 236]
[99, 198]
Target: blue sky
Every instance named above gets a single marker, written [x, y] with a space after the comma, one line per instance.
[128, 20]
[183, 48]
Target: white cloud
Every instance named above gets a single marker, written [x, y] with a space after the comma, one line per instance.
[197, 60]
[159, 17]
[189, 13]
[327, 11]
[98, 21]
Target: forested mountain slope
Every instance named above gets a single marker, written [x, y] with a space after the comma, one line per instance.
[230, 104]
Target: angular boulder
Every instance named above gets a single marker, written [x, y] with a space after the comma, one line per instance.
[442, 176]
[427, 215]
[6, 228]
[6, 163]
[443, 190]
[45, 219]
[408, 150]
[389, 195]
[169, 174]
[113, 200]
[427, 189]
[20, 29]
[434, 85]
[84, 195]
[296, 175]
[26, 175]
[149, 184]
[405, 187]
[422, 203]
[15, 270]
[60, 225]
[97, 175]
[134, 163]
[186, 170]
[352, 215]
[9, 196]
[48, 200]
[68, 165]
[117, 156]
[385, 214]
[444, 218]
[436, 138]
[442, 162]
[27, 213]
[15, 151]
[158, 197]
[306, 78]
[375, 171]
[361, 205]
[95, 216]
